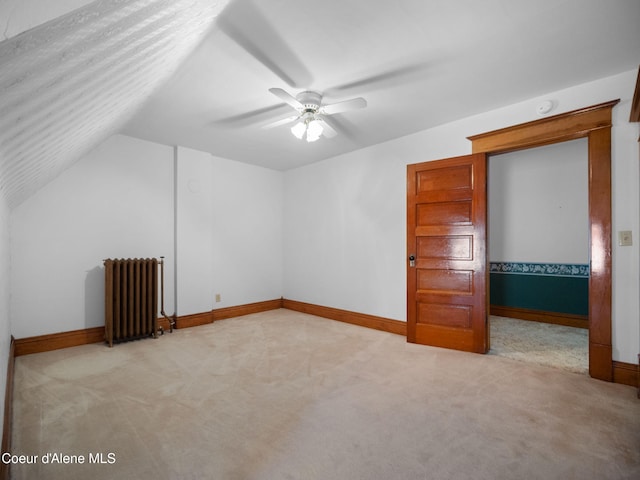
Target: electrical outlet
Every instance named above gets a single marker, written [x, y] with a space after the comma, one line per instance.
[624, 238]
[218, 297]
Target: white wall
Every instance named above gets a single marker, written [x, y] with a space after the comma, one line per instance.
[247, 232]
[194, 232]
[343, 241]
[335, 257]
[539, 204]
[122, 201]
[229, 235]
[117, 202]
[5, 324]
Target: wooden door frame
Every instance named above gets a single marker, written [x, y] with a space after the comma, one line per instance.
[593, 123]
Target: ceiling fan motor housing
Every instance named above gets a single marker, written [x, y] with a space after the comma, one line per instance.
[310, 101]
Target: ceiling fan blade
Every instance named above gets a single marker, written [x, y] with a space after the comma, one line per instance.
[280, 122]
[285, 97]
[252, 117]
[243, 23]
[345, 106]
[327, 130]
[342, 125]
[390, 78]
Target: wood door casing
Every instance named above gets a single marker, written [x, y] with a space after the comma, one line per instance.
[595, 124]
[446, 233]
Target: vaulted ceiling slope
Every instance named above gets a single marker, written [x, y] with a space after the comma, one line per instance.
[201, 73]
[68, 84]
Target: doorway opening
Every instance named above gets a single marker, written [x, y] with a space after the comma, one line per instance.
[538, 238]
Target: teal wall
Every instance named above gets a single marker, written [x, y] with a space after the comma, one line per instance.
[560, 288]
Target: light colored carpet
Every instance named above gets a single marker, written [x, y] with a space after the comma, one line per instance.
[541, 343]
[284, 395]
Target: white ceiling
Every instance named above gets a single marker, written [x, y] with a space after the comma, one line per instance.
[197, 73]
[418, 63]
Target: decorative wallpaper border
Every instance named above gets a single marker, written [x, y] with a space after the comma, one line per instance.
[547, 269]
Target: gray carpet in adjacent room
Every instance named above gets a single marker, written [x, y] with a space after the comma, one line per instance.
[284, 395]
[555, 346]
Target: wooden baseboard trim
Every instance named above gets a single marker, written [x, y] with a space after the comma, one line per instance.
[204, 318]
[566, 319]
[247, 309]
[194, 320]
[8, 410]
[55, 341]
[370, 321]
[626, 374]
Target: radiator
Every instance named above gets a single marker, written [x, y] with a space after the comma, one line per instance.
[131, 299]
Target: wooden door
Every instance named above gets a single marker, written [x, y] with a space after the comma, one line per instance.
[447, 286]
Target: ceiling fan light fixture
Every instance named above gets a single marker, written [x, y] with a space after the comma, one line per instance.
[312, 114]
[298, 130]
[314, 130]
[308, 127]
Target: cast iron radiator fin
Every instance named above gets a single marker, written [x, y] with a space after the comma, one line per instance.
[131, 299]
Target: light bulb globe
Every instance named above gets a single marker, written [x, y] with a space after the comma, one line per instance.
[298, 130]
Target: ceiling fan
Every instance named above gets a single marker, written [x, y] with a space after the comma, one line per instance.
[245, 23]
[311, 114]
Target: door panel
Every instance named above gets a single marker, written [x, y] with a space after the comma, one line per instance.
[450, 213]
[447, 288]
[453, 247]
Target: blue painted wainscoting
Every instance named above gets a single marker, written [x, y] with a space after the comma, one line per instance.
[549, 287]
